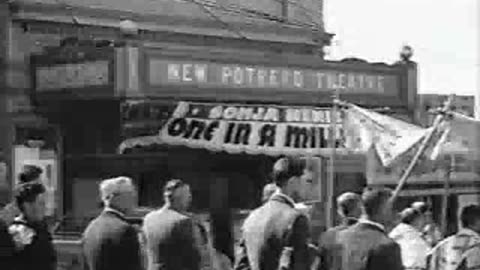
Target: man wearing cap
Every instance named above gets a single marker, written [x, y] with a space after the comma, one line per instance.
[171, 242]
[109, 241]
[408, 234]
[275, 235]
[349, 207]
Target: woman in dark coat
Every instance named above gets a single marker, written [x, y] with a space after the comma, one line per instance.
[34, 249]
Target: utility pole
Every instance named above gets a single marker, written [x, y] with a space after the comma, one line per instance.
[331, 172]
[425, 143]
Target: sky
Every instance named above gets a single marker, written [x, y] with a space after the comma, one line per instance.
[444, 35]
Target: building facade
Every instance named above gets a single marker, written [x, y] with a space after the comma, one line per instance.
[81, 83]
[32, 27]
[211, 93]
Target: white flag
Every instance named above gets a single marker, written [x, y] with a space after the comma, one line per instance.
[460, 133]
[389, 136]
[358, 133]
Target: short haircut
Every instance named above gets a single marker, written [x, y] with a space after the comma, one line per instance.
[28, 192]
[171, 186]
[374, 198]
[410, 214]
[422, 207]
[29, 173]
[470, 214]
[286, 168]
[113, 186]
[348, 202]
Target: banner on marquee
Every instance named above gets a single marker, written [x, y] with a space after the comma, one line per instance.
[251, 129]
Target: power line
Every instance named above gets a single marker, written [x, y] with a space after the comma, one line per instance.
[253, 13]
[218, 19]
[306, 10]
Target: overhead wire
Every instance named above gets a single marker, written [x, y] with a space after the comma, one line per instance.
[225, 24]
[253, 13]
[240, 10]
[308, 12]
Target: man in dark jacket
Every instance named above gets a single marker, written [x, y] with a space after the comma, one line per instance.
[275, 235]
[349, 207]
[109, 241]
[169, 232]
[365, 245]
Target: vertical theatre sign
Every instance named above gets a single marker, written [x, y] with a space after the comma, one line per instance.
[270, 130]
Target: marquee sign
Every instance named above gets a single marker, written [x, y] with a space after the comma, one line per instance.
[270, 130]
[211, 74]
[74, 75]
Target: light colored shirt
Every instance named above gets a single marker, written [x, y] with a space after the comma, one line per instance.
[414, 248]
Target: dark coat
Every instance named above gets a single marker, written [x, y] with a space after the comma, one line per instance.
[34, 246]
[274, 237]
[365, 246]
[170, 241]
[328, 246]
[111, 243]
[7, 247]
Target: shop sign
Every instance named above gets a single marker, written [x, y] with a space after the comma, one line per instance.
[271, 130]
[168, 72]
[18, 104]
[72, 75]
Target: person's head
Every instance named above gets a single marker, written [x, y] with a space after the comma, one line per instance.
[29, 173]
[177, 193]
[349, 205]
[268, 190]
[287, 175]
[414, 217]
[470, 217]
[377, 205]
[425, 209]
[119, 193]
[30, 200]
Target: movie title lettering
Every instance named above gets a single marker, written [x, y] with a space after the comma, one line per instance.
[256, 128]
[238, 133]
[192, 129]
[306, 137]
[267, 135]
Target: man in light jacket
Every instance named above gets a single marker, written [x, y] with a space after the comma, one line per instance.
[408, 235]
[450, 253]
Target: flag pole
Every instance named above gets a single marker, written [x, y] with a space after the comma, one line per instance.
[438, 120]
[446, 194]
[331, 176]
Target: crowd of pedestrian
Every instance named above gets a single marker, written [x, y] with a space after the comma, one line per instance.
[275, 236]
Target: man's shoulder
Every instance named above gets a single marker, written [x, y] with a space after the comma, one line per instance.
[107, 223]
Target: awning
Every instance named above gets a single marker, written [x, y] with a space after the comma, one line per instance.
[253, 129]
